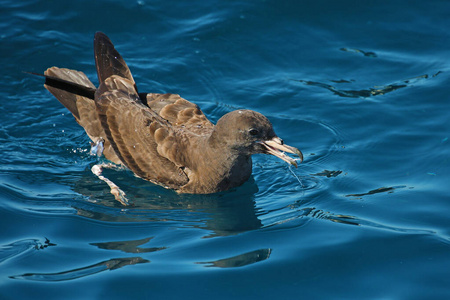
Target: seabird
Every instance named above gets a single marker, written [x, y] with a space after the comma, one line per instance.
[162, 138]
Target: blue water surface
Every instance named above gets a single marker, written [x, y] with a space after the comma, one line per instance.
[361, 87]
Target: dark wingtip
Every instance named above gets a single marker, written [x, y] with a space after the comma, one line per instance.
[108, 60]
[101, 35]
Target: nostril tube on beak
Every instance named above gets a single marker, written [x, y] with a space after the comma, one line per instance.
[278, 140]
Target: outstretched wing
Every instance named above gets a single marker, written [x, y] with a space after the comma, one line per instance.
[140, 137]
[108, 61]
[178, 111]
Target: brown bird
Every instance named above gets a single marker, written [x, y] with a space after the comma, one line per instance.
[162, 138]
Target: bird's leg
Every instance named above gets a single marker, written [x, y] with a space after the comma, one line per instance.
[119, 195]
[97, 149]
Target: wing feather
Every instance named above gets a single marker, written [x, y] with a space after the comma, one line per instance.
[108, 60]
[136, 132]
[180, 112]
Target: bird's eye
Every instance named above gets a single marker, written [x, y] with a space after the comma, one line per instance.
[253, 131]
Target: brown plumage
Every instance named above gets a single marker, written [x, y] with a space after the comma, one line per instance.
[163, 138]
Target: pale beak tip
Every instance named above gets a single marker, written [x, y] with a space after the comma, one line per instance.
[277, 148]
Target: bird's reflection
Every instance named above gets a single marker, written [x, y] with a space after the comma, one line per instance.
[220, 214]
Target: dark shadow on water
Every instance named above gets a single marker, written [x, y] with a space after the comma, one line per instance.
[130, 246]
[117, 263]
[370, 92]
[219, 214]
[111, 264]
[223, 213]
[240, 260]
[328, 173]
[390, 189]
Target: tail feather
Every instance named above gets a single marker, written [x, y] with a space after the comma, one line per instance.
[76, 92]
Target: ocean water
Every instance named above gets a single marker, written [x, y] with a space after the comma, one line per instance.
[361, 87]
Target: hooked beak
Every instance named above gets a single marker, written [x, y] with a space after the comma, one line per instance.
[276, 147]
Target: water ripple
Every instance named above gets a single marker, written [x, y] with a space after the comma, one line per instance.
[20, 247]
[111, 264]
[365, 53]
[390, 189]
[371, 92]
[129, 246]
[240, 260]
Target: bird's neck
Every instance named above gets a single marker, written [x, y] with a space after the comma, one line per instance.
[219, 168]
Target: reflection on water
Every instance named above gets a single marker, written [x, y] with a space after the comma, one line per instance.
[129, 246]
[390, 189]
[222, 213]
[365, 53]
[240, 260]
[365, 93]
[315, 213]
[328, 173]
[16, 248]
[111, 264]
